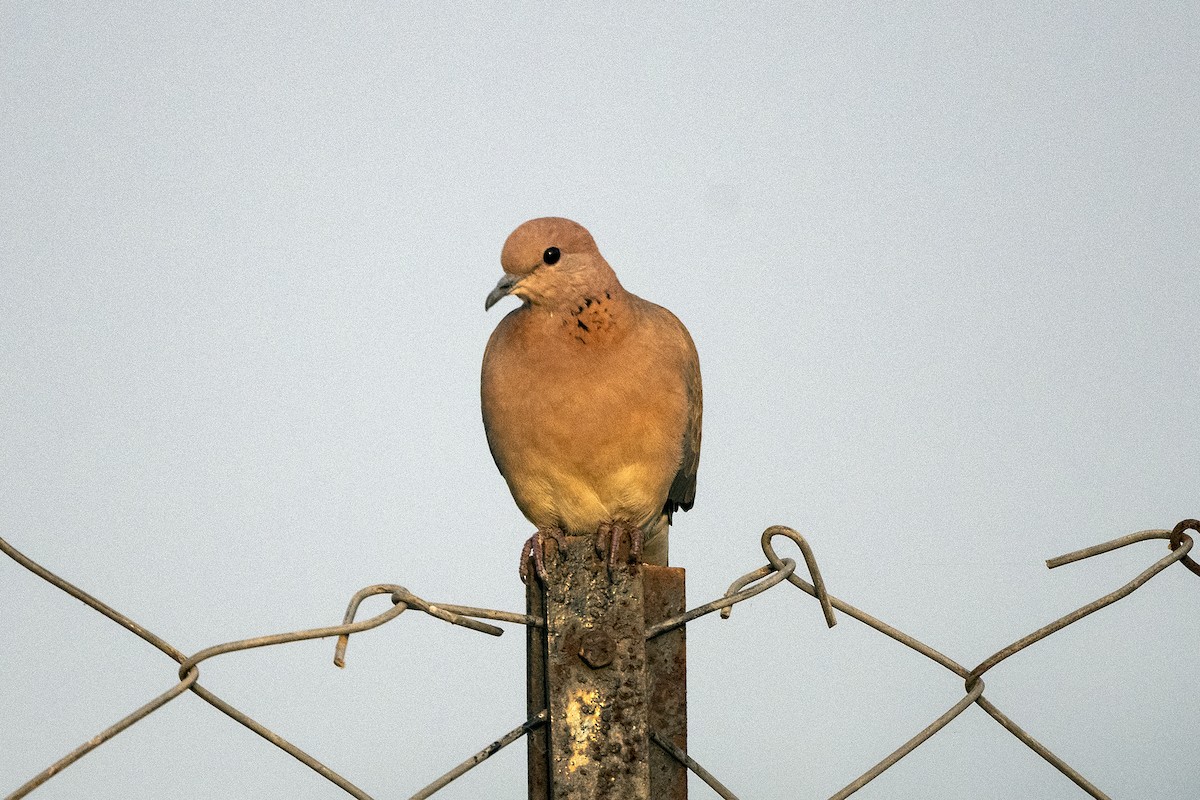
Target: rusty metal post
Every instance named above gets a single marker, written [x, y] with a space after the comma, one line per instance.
[666, 665]
[605, 687]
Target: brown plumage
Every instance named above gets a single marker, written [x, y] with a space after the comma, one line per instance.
[591, 395]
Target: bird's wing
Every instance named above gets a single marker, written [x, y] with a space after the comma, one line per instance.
[683, 489]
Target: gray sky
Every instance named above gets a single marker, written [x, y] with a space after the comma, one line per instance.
[939, 262]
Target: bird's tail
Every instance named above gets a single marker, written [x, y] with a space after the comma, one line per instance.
[654, 545]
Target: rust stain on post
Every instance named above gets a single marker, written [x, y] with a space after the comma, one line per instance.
[535, 684]
[666, 666]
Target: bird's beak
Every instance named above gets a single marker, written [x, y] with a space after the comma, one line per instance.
[503, 288]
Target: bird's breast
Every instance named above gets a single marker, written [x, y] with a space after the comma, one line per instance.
[585, 433]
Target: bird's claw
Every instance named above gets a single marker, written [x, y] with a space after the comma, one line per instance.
[608, 542]
[609, 537]
[535, 550]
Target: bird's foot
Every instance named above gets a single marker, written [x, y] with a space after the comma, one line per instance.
[608, 542]
[535, 551]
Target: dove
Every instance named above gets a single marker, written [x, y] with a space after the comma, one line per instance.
[591, 398]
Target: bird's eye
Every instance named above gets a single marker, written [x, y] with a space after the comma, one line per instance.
[551, 255]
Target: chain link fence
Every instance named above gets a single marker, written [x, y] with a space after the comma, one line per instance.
[775, 572]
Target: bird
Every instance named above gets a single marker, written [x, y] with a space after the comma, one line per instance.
[591, 399]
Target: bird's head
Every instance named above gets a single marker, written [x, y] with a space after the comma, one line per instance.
[551, 261]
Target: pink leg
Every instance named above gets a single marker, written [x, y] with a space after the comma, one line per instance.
[608, 542]
[535, 550]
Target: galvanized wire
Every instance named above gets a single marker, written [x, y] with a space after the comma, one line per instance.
[1177, 538]
[735, 595]
[1180, 545]
[912, 744]
[189, 670]
[676, 753]
[749, 585]
[402, 598]
[778, 569]
[535, 721]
